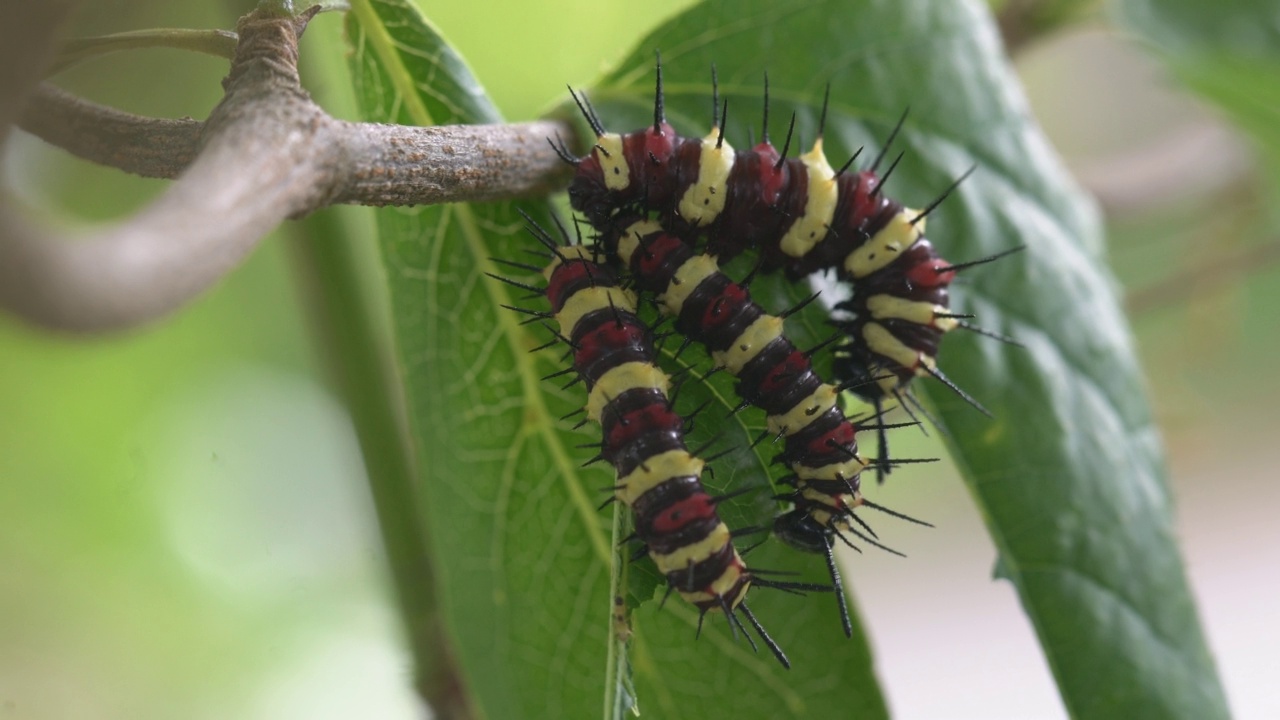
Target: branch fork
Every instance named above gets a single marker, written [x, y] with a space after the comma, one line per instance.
[266, 153]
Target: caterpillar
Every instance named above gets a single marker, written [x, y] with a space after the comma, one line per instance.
[801, 216]
[658, 478]
[821, 448]
[894, 324]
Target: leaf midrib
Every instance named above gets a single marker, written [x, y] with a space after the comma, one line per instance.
[401, 78]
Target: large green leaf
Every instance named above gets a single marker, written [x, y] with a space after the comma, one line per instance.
[524, 555]
[1068, 475]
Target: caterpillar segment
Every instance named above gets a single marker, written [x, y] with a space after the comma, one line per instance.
[820, 445]
[643, 437]
[894, 324]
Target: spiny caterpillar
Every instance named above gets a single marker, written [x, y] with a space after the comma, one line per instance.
[820, 446]
[658, 477]
[800, 216]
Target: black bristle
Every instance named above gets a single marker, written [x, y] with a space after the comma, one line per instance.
[587, 112]
[889, 142]
[659, 114]
[943, 195]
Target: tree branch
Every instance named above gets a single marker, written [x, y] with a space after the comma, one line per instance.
[266, 153]
[388, 164]
[150, 147]
[219, 43]
[26, 49]
[403, 165]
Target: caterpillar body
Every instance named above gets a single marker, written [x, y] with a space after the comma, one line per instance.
[820, 446]
[801, 216]
[643, 437]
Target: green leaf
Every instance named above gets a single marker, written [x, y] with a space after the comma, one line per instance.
[1227, 51]
[523, 554]
[1068, 474]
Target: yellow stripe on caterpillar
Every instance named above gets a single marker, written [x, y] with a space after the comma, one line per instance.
[704, 199]
[630, 240]
[613, 162]
[886, 307]
[685, 281]
[822, 517]
[681, 558]
[804, 412]
[728, 579]
[885, 246]
[847, 469]
[569, 253]
[721, 586]
[882, 342]
[622, 378]
[819, 207]
[746, 346]
[588, 300]
[831, 501]
[655, 470]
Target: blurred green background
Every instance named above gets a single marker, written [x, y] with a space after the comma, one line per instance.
[185, 527]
